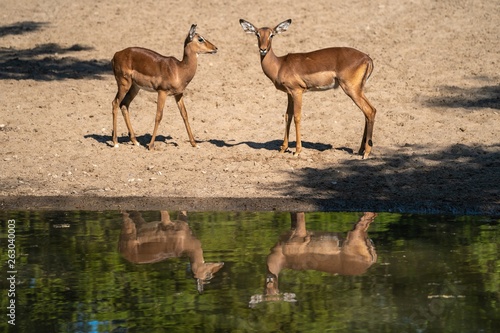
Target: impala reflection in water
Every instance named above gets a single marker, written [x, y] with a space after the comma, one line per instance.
[302, 249]
[144, 242]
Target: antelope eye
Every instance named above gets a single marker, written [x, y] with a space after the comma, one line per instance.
[257, 34]
[271, 36]
[200, 39]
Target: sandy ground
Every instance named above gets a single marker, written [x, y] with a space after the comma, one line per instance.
[436, 87]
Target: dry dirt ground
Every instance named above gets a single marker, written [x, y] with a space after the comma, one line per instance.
[436, 87]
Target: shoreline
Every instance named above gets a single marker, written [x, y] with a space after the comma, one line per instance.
[284, 204]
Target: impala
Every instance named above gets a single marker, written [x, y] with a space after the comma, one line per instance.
[144, 242]
[296, 73]
[135, 68]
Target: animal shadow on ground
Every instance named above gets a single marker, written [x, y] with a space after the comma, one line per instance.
[273, 145]
[143, 139]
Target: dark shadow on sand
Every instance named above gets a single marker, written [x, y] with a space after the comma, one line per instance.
[21, 28]
[468, 98]
[46, 62]
[460, 179]
[271, 145]
[142, 139]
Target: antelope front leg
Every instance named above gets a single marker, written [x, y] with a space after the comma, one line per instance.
[182, 108]
[297, 111]
[288, 122]
[162, 96]
[115, 121]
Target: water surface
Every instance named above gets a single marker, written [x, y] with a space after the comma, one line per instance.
[114, 271]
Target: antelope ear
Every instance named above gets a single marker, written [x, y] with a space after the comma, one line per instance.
[283, 26]
[192, 31]
[248, 27]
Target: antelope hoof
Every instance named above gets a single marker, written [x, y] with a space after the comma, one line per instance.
[283, 149]
[364, 153]
[116, 145]
[151, 146]
[366, 149]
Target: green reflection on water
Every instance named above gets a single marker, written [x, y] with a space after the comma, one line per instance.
[433, 274]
